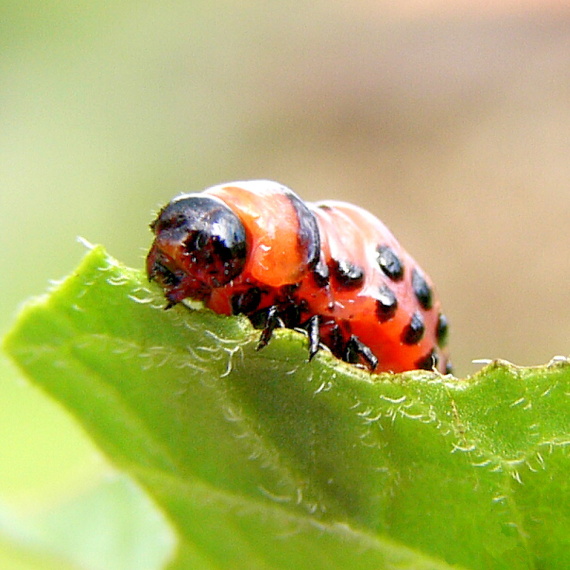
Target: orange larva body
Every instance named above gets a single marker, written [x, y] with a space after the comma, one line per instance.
[333, 268]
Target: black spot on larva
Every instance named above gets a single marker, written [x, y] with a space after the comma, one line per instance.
[321, 274]
[247, 301]
[347, 274]
[428, 362]
[302, 304]
[448, 368]
[389, 262]
[336, 342]
[308, 235]
[290, 314]
[421, 289]
[288, 291]
[386, 304]
[414, 331]
[441, 330]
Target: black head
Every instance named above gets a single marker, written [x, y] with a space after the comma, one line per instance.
[200, 244]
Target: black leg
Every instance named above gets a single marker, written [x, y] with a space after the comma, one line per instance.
[312, 326]
[356, 349]
[272, 321]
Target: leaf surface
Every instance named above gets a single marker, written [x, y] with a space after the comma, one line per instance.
[260, 459]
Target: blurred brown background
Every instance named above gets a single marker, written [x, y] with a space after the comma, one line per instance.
[449, 120]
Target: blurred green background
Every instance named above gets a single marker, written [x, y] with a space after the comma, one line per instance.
[449, 121]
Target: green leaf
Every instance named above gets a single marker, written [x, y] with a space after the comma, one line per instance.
[260, 459]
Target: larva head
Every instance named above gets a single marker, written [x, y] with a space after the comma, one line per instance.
[199, 245]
